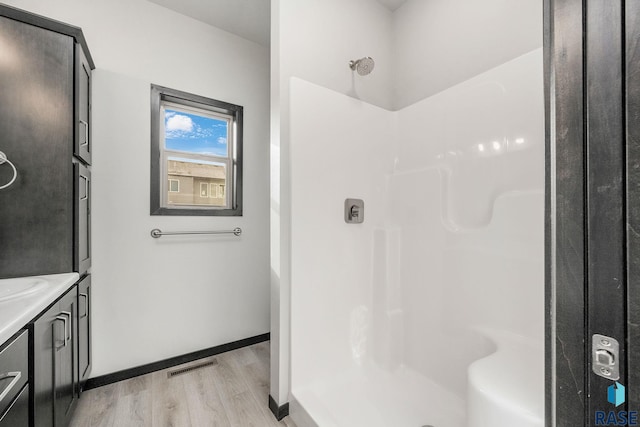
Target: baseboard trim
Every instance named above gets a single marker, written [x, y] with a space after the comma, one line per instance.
[171, 362]
[278, 411]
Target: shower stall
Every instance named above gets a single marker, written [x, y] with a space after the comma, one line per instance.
[430, 312]
[438, 295]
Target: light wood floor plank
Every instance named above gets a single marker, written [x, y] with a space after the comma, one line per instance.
[256, 376]
[244, 411]
[258, 379]
[134, 410]
[233, 392]
[169, 403]
[205, 406]
[136, 385]
[262, 352]
[103, 406]
[245, 356]
[227, 375]
[83, 414]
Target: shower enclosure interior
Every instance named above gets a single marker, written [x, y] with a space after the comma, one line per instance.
[431, 311]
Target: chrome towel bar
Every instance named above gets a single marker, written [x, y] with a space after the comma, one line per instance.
[157, 233]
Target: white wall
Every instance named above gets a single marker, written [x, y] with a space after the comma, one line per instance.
[439, 43]
[318, 38]
[155, 299]
[313, 40]
[340, 148]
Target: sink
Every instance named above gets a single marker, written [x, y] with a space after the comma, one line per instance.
[22, 298]
[20, 287]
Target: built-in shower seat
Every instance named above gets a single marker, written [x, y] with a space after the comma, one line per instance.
[504, 388]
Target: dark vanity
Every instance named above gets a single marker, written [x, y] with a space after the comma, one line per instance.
[45, 129]
[45, 215]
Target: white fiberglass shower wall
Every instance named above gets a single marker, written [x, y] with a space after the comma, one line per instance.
[431, 312]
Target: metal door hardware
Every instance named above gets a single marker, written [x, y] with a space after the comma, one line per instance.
[605, 357]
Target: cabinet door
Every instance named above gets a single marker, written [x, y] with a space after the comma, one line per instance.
[54, 363]
[82, 218]
[66, 362]
[18, 414]
[84, 331]
[36, 130]
[82, 140]
[45, 333]
[14, 376]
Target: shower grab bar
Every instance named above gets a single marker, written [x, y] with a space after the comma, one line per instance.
[157, 233]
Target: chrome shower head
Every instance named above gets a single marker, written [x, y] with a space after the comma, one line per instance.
[363, 65]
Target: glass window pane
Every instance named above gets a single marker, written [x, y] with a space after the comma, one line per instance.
[194, 133]
[196, 179]
[204, 189]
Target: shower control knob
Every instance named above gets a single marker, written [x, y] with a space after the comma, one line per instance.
[353, 211]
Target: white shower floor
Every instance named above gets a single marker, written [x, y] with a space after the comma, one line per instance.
[372, 397]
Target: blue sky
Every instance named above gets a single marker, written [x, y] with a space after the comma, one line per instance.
[195, 134]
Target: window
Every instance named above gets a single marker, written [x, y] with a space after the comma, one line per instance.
[217, 191]
[196, 155]
[204, 189]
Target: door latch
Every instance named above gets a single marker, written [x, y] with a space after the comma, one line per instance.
[605, 355]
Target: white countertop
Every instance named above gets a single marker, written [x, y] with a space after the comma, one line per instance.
[16, 313]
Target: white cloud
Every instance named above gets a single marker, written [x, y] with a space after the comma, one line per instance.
[222, 140]
[178, 122]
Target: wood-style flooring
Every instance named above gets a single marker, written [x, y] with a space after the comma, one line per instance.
[233, 391]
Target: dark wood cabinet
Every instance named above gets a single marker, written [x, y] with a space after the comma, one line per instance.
[18, 414]
[82, 218]
[44, 367]
[84, 331]
[82, 140]
[55, 362]
[14, 377]
[45, 215]
[36, 100]
[45, 109]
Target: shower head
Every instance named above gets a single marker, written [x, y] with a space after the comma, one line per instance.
[363, 65]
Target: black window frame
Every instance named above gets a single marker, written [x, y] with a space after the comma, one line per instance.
[160, 94]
